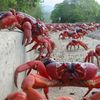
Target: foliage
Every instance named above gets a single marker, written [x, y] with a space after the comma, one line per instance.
[76, 11]
[31, 7]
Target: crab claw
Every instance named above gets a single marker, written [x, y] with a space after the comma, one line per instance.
[93, 83]
[27, 27]
[36, 65]
[30, 94]
[95, 96]
[16, 96]
[7, 21]
[21, 68]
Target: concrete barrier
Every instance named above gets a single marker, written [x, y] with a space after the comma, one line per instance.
[12, 54]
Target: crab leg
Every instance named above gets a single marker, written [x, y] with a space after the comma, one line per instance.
[29, 94]
[36, 65]
[97, 58]
[94, 83]
[36, 96]
[34, 47]
[83, 45]
[27, 27]
[36, 81]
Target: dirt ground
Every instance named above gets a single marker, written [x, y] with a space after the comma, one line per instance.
[75, 55]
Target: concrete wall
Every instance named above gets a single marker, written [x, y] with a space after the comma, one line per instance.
[12, 54]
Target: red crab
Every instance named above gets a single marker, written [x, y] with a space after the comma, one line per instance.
[28, 25]
[53, 74]
[78, 33]
[63, 35]
[91, 54]
[76, 43]
[69, 34]
[34, 30]
[36, 96]
[43, 43]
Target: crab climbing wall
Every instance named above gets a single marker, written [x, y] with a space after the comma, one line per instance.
[12, 54]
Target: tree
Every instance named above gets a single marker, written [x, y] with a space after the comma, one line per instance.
[76, 11]
[31, 7]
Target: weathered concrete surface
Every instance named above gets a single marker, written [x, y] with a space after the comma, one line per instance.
[12, 54]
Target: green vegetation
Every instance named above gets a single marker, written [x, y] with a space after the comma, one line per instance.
[67, 11]
[31, 7]
[76, 11]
